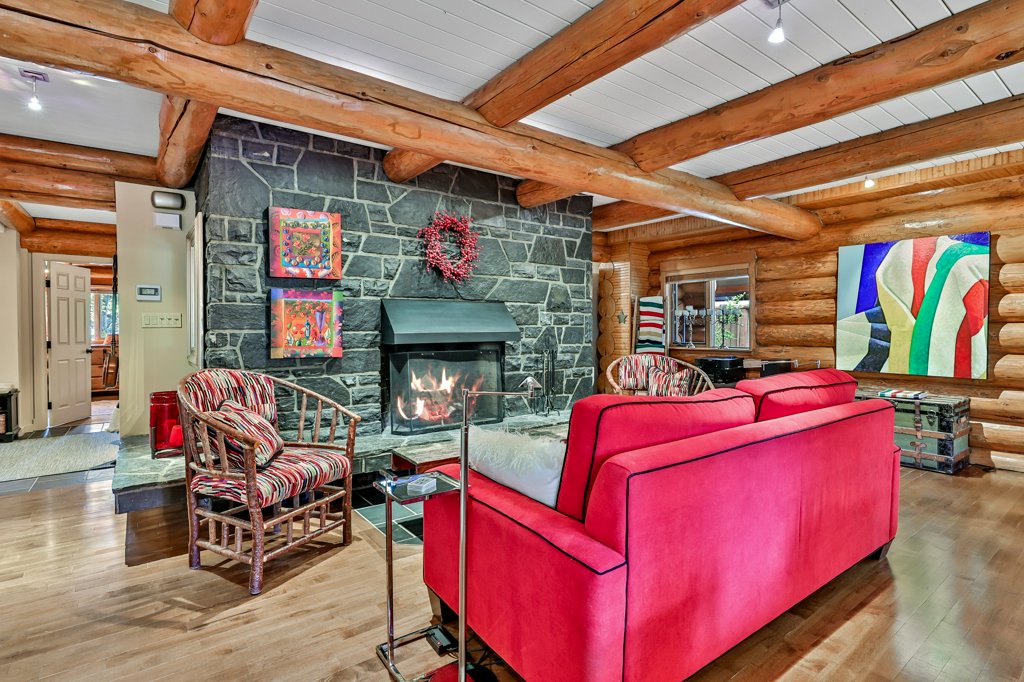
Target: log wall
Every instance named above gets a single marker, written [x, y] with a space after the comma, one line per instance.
[795, 306]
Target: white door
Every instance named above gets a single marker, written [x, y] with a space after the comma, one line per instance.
[70, 345]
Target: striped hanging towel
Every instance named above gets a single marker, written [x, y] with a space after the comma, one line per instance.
[650, 337]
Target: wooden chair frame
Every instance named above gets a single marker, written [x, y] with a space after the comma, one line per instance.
[205, 453]
[699, 381]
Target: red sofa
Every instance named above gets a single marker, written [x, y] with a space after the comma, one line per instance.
[682, 526]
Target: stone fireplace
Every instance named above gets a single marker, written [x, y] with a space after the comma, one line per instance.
[534, 263]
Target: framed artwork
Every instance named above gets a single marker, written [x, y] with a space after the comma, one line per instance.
[916, 306]
[305, 324]
[305, 244]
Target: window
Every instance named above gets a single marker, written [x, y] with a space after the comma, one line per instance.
[710, 308]
[104, 322]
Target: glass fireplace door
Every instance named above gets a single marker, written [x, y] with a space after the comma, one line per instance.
[426, 388]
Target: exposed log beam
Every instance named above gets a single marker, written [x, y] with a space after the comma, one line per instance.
[185, 124]
[70, 243]
[76, 226]
[1000, 188]
[56, 200]
[976, 40]
[20, 179]
[14, 217]
[76, 158]
[221, 22]
[609, 36]
[132, 44]
[987, 125]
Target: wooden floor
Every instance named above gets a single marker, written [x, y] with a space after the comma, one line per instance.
[88, 595]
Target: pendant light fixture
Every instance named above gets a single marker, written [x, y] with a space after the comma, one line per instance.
[35, 76]
[778, 35]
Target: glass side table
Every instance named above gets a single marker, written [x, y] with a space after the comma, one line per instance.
[397, 490]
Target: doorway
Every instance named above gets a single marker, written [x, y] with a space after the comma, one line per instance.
[82, 341]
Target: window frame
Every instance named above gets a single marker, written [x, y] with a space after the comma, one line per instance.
[706, 269]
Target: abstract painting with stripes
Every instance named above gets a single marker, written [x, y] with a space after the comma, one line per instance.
[916, 306]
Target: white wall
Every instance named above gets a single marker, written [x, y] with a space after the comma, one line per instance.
[10, 307]
[151, 359]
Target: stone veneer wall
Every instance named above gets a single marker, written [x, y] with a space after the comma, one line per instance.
[538, 261]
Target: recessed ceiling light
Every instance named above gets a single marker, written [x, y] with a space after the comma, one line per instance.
[869, 183]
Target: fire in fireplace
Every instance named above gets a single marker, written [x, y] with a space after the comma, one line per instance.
[427, 385]
[437, 349]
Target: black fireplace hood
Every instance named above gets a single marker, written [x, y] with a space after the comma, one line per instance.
[412, 321]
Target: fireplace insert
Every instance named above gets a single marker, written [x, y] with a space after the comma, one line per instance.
[426, 387]
[435, 349]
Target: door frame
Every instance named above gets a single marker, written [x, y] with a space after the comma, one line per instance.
[37, 420]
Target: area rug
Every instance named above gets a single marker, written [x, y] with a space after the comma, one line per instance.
[60, 455]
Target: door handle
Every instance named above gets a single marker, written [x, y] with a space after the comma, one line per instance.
[88, 350]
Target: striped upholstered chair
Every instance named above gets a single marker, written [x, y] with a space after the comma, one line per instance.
[280, 493]
[656, 375]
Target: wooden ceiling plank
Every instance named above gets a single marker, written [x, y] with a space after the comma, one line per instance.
[76, 158]
[980, 39]
[610, 35]
[988, 125]
[135, 45]
[185, 124]
[14, 217]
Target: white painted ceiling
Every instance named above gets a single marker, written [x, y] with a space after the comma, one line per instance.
[87, 215]
[450, 47]
[82, 110]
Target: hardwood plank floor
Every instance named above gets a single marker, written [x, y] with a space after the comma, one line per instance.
[89, 595]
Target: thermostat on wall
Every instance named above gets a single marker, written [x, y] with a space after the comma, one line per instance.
[147, 292]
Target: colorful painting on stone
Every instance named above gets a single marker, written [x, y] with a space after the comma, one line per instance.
[917, 306]
[305, 244]
[305, 324]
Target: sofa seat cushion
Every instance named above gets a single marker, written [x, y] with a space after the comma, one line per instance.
[601, 426]
[786, 394]
[296, 470]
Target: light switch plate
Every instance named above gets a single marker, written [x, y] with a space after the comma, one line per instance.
[161, 320]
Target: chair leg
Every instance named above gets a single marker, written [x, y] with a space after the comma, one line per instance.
[346, 530]
[193, 529]
[256, 572]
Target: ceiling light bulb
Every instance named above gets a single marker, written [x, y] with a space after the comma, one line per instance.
[777, 35]
[33, 103]
[869, 183]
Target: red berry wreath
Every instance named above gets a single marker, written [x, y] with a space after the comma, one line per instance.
[435, 239]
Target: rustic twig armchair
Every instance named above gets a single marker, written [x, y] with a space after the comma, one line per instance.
[301, 473]
[629, 374]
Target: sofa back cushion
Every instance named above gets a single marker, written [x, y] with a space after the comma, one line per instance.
[785, 394]
[605, 425]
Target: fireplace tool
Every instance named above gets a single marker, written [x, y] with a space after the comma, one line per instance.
[542, 401]
[530, 386]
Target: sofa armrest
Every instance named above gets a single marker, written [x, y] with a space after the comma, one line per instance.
[543, 593]
[562, 533]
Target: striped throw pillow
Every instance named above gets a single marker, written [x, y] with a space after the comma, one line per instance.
[237, 416]
[662, 383]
